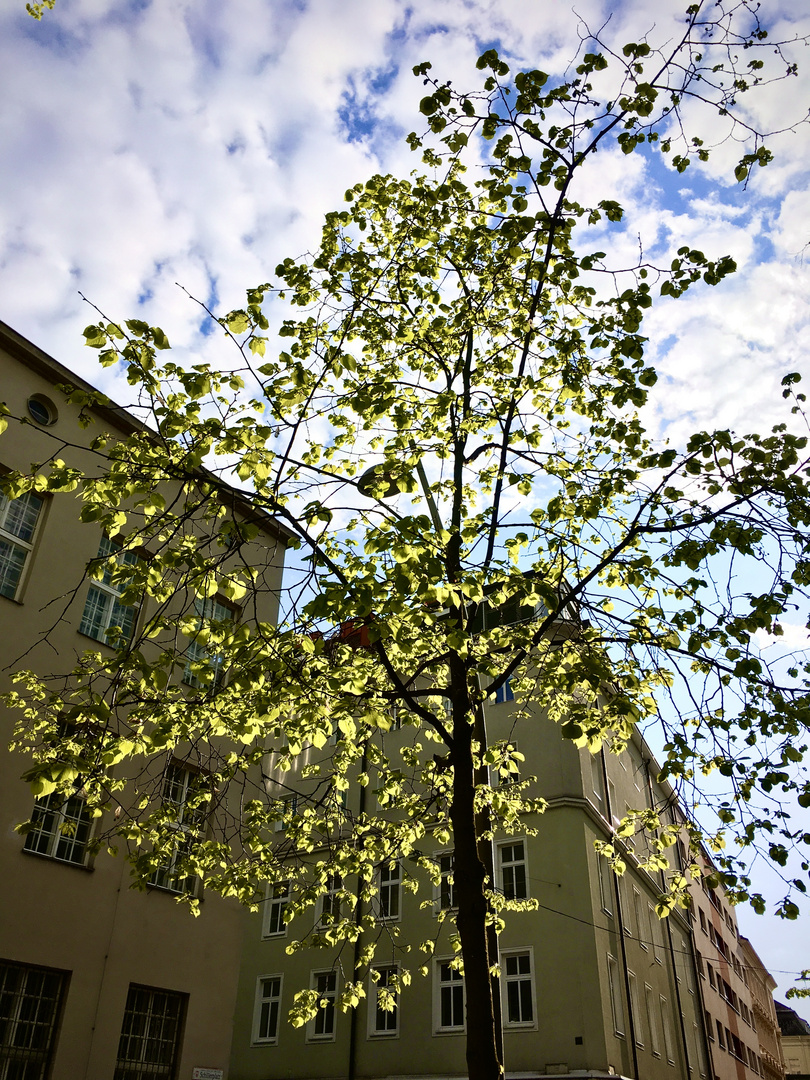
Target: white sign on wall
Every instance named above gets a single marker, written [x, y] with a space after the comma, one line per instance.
[207, 1074]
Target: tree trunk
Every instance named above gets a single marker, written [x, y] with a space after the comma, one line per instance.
[469, 874]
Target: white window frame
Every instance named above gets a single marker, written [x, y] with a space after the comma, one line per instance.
[635, 1007]
[12, 577]
[389, 884]
[68, 832]
[666, 1025]
[511, 865]
[391, 1019]
[517, 979]
[615, 994]
[657, 935]
[189, 826]
[504, 693]
[445, 874]
[604, 874]
[263, 999]
[328, 993]
[456, 979]
[277, 897]
[329, 904]
[211, 608]
[652, 1020]
[103, 598]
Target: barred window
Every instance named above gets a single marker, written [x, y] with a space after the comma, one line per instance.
[60, 828]
[30, 1003]
[105, 618]
[18, 522]
[149, 1047]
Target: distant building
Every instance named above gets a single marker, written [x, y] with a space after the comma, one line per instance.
[795, 1042]
[761, 985]
[97, 982]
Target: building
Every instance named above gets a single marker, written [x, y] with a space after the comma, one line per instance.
[96, 980]
[731, 978]
[594, 983]
[795, 1034]
[761, 985]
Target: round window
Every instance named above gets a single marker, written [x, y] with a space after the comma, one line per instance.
[42, 410]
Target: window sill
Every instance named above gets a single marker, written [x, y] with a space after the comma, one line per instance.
[59, 862]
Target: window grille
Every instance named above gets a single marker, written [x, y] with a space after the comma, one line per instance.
[149, 1047]
[30, 1003]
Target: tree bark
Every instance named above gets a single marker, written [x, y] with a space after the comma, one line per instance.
[469, 875]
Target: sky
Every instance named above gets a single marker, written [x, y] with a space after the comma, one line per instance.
[147, 145]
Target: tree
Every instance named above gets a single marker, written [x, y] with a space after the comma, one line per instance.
[462, 340]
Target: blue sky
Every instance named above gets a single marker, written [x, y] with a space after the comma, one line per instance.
[144, 144]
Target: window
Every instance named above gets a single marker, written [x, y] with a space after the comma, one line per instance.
[390, 885]
[30, 1003]
[666, 1024]
[275, 905]
[203, 668]
[652, 1020]
[638, 910]
[721, 1038]
[60, 828]
[149, 1046]
[105, 618]
[512, 861]
[267, 1008]
[702, 917]
[597, 780]
[187, 820]
[504, 693]
[450, 998]
[384, 1011]
[657, 935]
[710, 970]
[323, 1026]
[447, 890]
[18, 522]
[616, 1004]
[519, 987]
[635, 1009]
[605, 883]
[328, 908]
[289, 807]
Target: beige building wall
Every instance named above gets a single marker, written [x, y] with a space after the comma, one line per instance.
[761, 985]
[80, 919]
[614, 990]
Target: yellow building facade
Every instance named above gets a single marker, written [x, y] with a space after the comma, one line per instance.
[97, 981]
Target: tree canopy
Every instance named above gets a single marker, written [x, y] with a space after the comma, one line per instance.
[445, 405]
